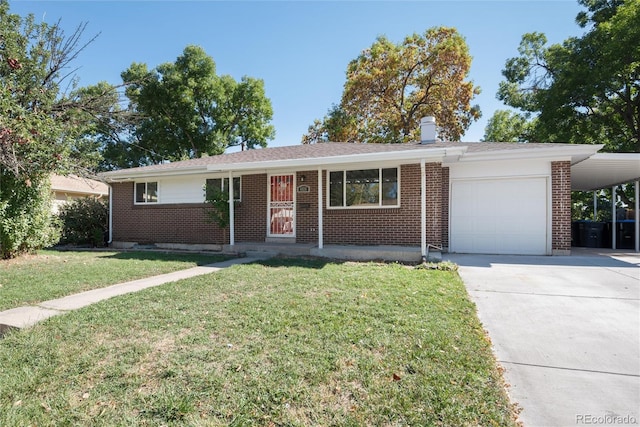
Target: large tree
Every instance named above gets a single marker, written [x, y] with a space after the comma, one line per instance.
[45, 123]
[184, 110]
[390, 87]
[587, 89]
[508, 126]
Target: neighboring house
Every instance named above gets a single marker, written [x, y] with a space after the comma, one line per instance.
[497, 198]
[71, 187]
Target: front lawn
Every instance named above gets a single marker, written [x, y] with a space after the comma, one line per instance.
[31, 279]
[283, 342]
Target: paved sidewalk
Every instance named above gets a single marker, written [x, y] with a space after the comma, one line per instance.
[23, 317]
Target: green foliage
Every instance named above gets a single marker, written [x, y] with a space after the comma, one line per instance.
[84, 221]
[390, 87]
[336, 126]
[582, 206]
[26, 222]
[218, 210]
[587, 89]
[508, 126]
[43, 129]
[184, 110]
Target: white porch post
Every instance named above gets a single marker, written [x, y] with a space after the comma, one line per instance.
[613, 219]
[423, 210]
[595, 205]
[232, 231]
[637, 216]
[320, 232]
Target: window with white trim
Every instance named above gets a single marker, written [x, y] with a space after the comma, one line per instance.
[146, 192]
[364, 188]
[223, 185]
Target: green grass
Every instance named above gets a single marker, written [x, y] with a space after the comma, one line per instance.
[284, 342]
[53, 274]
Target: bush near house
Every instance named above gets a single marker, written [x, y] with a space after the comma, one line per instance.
[26, 222]
[84, 221]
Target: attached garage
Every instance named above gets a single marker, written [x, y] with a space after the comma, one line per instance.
[500, 216]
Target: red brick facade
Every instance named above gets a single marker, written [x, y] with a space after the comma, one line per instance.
[186, 223]
[177, 223]
[561, 207]
[392, 226]
[444, 219]
[434, 203]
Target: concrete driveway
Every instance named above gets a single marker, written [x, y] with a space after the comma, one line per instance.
[566, 330]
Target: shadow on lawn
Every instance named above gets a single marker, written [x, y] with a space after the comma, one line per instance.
[302, 262]
[206, 259]
[198, 258]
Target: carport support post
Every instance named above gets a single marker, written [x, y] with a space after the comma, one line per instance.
[613, 218]
[636, 216]
[320, 236]
[232, 229]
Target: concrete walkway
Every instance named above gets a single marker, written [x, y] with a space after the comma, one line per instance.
[566, 330]
[23, 317]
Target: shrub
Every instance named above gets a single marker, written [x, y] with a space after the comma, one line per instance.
[84, 221]
[26, 222]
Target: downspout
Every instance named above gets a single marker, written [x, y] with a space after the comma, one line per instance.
[320, 220]
[423, 211]
[232, 217]
[110, 215]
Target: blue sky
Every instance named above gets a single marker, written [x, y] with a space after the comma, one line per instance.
[300, 49]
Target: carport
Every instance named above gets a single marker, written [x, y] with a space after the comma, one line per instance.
[609, 170]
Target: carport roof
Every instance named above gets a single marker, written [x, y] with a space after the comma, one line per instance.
[604, 170]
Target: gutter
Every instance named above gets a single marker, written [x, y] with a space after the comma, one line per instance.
[121, 176]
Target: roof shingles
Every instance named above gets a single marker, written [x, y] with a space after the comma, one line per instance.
[320, 151]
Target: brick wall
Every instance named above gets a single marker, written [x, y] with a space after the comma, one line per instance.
[561, 207]
[434, 203]
[393, 226]
[445, 208]
[176, 223]
[186, 223]
[251, 212]
[307, 207]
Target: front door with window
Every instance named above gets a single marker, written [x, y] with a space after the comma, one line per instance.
[281, 214]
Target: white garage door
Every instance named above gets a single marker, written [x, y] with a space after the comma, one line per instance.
[501, 216]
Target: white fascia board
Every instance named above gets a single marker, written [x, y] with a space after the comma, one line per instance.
[617, 156]
[414, 156]
[130, 175]
[572, 152]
